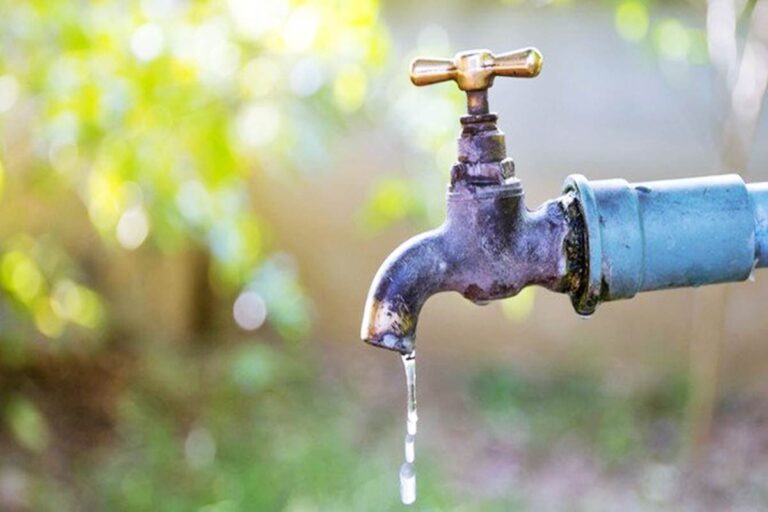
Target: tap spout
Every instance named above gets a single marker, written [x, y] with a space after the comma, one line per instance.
[407, 278]
[490, 247]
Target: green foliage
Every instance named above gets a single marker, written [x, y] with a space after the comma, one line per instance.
[27, 424]
[146, 127]
[159, 116]
[42, 283]
[670, 39]
[392, 200]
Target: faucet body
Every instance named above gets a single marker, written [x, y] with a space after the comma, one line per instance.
[489, 247]
[599, 241]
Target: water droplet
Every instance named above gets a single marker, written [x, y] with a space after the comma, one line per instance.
[584, 317]
[407, 483]
[751, 277]
[410, 448]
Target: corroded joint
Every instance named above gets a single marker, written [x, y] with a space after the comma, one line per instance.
[482, 154]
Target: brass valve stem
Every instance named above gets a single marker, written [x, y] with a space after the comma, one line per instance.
[477, 102]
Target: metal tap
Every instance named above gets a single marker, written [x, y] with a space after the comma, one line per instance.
[599, 241]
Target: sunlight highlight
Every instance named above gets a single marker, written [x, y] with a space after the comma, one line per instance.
[249, 311]
[147, 42]
[132, 228]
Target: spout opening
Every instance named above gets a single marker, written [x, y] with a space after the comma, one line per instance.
[403, 345]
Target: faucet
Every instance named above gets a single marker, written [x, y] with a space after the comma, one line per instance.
[597, 242]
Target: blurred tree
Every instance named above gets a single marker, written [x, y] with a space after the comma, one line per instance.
[131, 131]
[157, 116]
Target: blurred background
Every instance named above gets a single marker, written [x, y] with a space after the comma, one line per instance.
[197, 194]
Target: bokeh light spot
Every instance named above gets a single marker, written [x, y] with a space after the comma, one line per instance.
[306, 77]
[27, 424]
[21, 276]
[518, 308]
[194, 202]
[46, 320]
[133, 227]
[9, 92]
[253, 18]
[147, 42]
[259, 77]
[159, 8]
[249, 311]
[76, 303]
[632, 20]
[199, 448]
[349, 89]
[104, 199]
[672, 40]
[301, 29]
[258, 125]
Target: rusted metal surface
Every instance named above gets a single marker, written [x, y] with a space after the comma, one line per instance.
[490, 246]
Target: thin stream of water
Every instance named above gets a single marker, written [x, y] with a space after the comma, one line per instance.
[407, 470]
[409, 363]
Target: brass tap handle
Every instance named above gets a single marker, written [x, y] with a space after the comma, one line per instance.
[475, 70]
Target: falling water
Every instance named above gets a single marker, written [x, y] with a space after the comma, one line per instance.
[409, 362]
[410, 448]
[407, 483]
[407, 471]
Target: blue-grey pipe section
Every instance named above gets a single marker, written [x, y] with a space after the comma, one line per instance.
[759, 194]
[668, 234]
